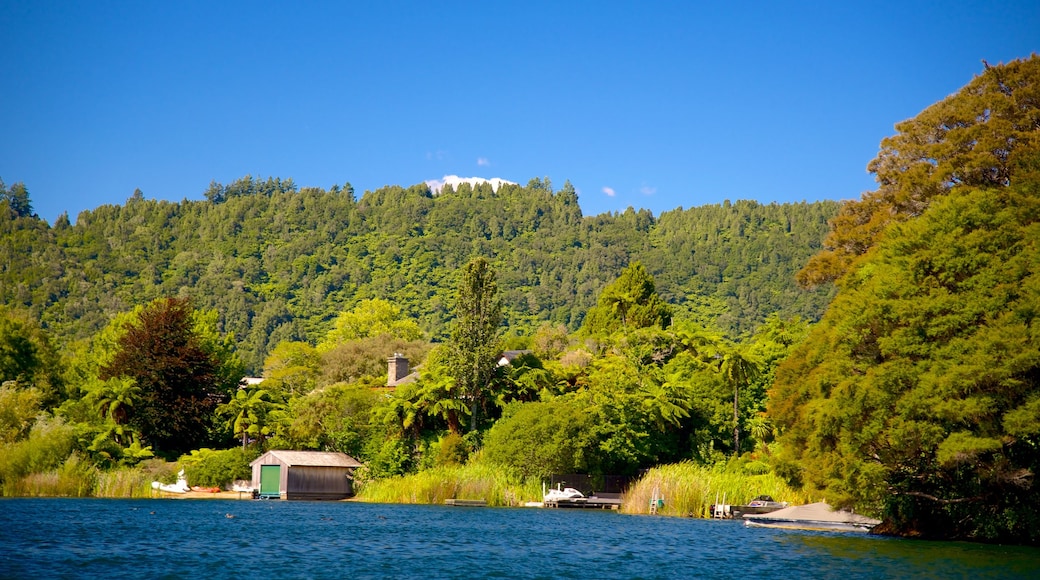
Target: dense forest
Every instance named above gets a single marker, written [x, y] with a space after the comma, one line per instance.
[279, 262]
[901, 378]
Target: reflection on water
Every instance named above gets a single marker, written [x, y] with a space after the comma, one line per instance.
[925, 558]
[274, 539]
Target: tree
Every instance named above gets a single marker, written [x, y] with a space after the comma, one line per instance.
[918, 394]
[292, 368]
[474, 345]
[630, 301]
[17, 199]
[248, 413]
[539, 439]
[179, 379]
[738, 370]
[27, 357]
[369, 319]
[985, 135]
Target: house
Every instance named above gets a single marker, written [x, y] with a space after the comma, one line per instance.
[398, 371]
[304, 475]
[510, 355]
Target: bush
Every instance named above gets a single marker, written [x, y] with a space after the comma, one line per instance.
[49, 444]
[453, 450]
[209, 468]
[75, 477]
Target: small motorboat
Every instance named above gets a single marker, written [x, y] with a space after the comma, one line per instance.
[762, 504]
[565, 494]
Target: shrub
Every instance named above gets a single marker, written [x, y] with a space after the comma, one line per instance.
[49, 444]
[76, 477]
[453, 450]
[209, 468]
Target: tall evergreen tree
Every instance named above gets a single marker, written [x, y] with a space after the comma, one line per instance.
[474, 344]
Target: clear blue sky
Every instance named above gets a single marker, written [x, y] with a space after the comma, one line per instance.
[645, 104]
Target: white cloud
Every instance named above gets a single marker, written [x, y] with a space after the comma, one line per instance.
[609, 191]
[454, 181]
[647, 190]
[483, 162]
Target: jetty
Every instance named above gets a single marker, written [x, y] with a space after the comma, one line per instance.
[466, 502]
[602, 501]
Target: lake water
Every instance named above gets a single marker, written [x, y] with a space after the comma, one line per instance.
[98, 538]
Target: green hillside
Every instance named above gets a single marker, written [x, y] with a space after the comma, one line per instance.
[279, 262]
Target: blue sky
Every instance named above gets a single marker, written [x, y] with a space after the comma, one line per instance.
[645, 104]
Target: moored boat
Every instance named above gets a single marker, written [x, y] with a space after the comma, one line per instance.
[815, 516]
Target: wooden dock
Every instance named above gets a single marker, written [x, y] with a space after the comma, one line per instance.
[466, 502]
[604, 502]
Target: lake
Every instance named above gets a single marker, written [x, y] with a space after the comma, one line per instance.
[103, 538]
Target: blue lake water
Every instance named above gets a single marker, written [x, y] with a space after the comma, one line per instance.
[98, 538]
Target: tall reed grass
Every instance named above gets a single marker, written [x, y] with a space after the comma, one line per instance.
[76, 477]
[475, 480]
[689, 490]
[124, 483]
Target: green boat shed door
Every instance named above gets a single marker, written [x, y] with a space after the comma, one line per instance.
[269, 479]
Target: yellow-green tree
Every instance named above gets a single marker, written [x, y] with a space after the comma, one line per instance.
[985, 135]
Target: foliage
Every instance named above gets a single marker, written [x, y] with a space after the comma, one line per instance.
[365, 358]
[180, 379]
[209, 468]
[452, 450]
[16, 199]
[49, 444]
[292, 368]
[18, 411]
[369, 319]
[27, 357]
[474, 344]
[541, 438]
[917, 392]
[74, 477]
[136, 480]
[251, 413]
[281, 264]
[335, 418]
[986, 135]
[629, 302]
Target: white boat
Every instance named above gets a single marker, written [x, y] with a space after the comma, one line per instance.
[565, 494]
[815, 516]
[180, 487]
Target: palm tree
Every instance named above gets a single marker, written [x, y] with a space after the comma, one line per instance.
[115, 397]
[248, 412]
[738, 370]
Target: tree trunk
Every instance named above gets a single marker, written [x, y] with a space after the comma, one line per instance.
[736, 421]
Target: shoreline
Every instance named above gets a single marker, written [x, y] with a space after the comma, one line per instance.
[203, 495]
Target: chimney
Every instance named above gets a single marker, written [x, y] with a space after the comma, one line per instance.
[397, 369]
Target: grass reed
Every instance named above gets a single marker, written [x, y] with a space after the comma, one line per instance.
[689, 490]
[476, 481]
[76, 477]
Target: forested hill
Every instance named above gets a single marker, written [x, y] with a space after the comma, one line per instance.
[278, 262]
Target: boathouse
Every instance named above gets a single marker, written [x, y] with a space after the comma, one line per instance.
[304, 475]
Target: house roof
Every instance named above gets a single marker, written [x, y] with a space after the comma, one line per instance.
[508, 356]
[310, 458]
